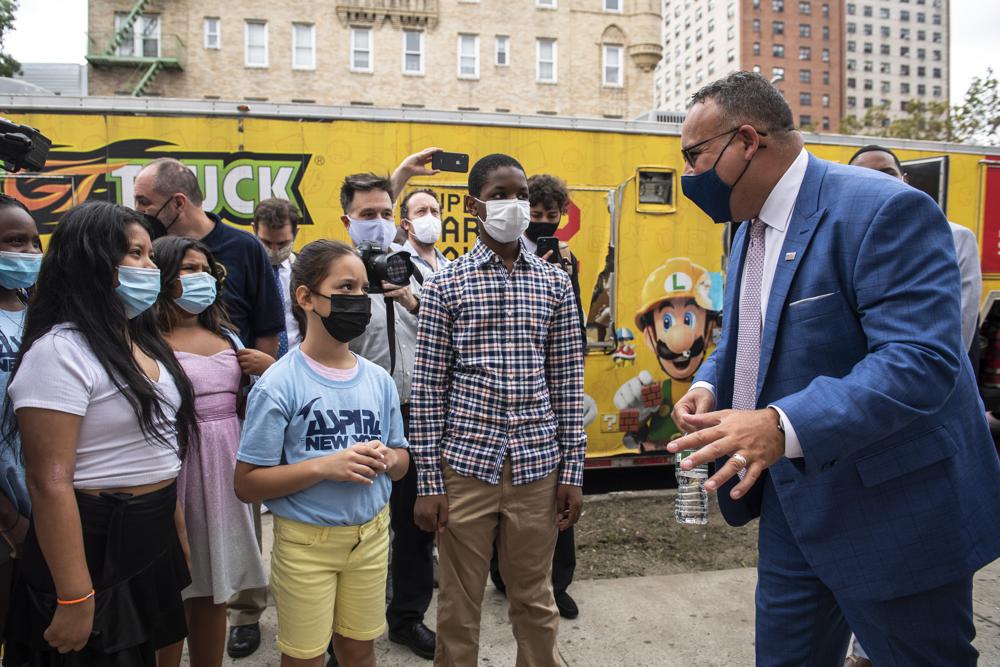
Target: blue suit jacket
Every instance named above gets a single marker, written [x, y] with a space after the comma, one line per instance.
[899, 488]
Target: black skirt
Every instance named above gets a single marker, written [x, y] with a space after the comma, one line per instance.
[138, 569]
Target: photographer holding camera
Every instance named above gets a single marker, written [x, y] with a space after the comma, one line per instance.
[390, 341]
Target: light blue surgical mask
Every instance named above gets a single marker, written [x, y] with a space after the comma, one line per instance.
[199, 292]
[380, 231]
[19, 270]
[137, 289]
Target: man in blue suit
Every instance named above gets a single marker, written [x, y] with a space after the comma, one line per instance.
[840, 406]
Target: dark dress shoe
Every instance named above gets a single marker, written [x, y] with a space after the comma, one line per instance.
[243, 640]
[567, 605]
[418, 637]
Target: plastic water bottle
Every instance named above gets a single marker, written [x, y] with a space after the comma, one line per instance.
[692, 498]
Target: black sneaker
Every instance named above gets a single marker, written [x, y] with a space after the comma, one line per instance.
[243, 640]
[418, 637]
[567, 605]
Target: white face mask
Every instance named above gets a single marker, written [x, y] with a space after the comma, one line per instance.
[506, 219]
[427, 228]
[380, 231]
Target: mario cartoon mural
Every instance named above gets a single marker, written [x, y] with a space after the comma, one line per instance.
[679, 320]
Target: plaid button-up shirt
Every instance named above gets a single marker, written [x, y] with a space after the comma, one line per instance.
[498, 373]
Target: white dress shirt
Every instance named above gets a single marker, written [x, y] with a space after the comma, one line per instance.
[776, 213]
[284, 284]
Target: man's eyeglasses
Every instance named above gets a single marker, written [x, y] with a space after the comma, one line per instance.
[691, 153]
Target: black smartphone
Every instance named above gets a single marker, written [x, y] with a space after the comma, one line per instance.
[547, 243]
[458, 162]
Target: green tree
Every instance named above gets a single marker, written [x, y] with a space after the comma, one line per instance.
[977, 120]
[8, 65]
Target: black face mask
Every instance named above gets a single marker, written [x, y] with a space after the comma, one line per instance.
[156, 226]
[349, 315]
[537, 230]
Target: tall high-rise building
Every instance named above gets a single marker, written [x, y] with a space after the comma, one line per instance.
[895, 51]
[561, 57]
[796, 44]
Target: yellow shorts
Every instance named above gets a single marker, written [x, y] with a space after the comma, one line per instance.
[328, 579]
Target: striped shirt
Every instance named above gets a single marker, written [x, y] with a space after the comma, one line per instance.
[498, 373]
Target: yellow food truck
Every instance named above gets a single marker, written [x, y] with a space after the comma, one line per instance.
[651, 264]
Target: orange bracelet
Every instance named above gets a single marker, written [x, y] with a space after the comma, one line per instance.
[77, 601]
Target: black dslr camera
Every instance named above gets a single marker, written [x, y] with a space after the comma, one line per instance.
[22, 147]
[382, 264]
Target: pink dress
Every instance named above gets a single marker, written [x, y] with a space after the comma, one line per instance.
[225, 558]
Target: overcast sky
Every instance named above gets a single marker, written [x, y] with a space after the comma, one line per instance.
[54, 31]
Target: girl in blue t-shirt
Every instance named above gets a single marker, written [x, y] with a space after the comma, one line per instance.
[322, 439]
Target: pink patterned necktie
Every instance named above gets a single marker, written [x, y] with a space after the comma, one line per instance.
[750, 325]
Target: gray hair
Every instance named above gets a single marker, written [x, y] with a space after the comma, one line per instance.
[747, 98]
[170, 176]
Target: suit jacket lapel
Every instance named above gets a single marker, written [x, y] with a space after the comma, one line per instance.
[805, 219]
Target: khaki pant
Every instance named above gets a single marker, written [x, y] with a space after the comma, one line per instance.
[246, 607]
[524, 517]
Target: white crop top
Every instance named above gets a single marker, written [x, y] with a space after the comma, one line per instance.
[60, 372]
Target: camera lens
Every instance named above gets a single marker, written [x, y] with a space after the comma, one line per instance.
[397, 269]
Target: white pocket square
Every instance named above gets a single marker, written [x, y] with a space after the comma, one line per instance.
[811, 298]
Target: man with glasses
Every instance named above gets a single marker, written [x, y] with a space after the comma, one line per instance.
[839, 406]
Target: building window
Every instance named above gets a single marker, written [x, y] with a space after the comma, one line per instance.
[921, 53]
[503, 51]
[826, 101]
[805, 8]
[937, 56]
[868, 66]
[825, 10]
[756, 26]
[869, 84]
[778, 50]
[852, 46]
[255, 36]
[868, 103]
[852, 102]
[921, 89]
[468, 56]
[612, 5]
[868, 48]
[805, 120]
[778, 73]
[303, 46]
[213, 33]
[921, 17]
[805, 53]
[904, 15]
[904, 88]
[142, 39]
[868, 11]
[546, 4]
[852, 28]
[904, 33]
[361, 50]
[852, 82]
[805, 30]
[731, 33]
[756, 48]
[868, 30]
[883, 12]
[937, 91]
[778, 5]
[826, 122]
[826, 78]
[547, 60]
[730, 55]
[904, 70]
[413, 52]
[805, 76]
[921, 70]
[936, 19]
[936, 38]
[884, 49]
[885, 87]
[936, 73]
[805, 99]
[885, 68]
[852, 9]
[613, 65]
[826, 33]
[778, 28]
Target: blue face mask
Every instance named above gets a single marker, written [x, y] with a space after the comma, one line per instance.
[380, 231]
[199, 292]
[137, 289]
[19, 270]
[711, 193]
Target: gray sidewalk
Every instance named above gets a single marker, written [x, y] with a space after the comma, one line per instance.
[679, 620]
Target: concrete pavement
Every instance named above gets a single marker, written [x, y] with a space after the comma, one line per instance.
[702, 619]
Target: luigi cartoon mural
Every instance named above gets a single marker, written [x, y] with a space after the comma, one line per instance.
[679, 320]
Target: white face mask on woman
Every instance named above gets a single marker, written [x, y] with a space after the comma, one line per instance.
[506, 219]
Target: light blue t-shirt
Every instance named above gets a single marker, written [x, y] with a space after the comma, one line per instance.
[12, 482]
[294, 414]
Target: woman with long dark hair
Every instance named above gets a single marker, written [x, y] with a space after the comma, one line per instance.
[220, 528]
[105, 415]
